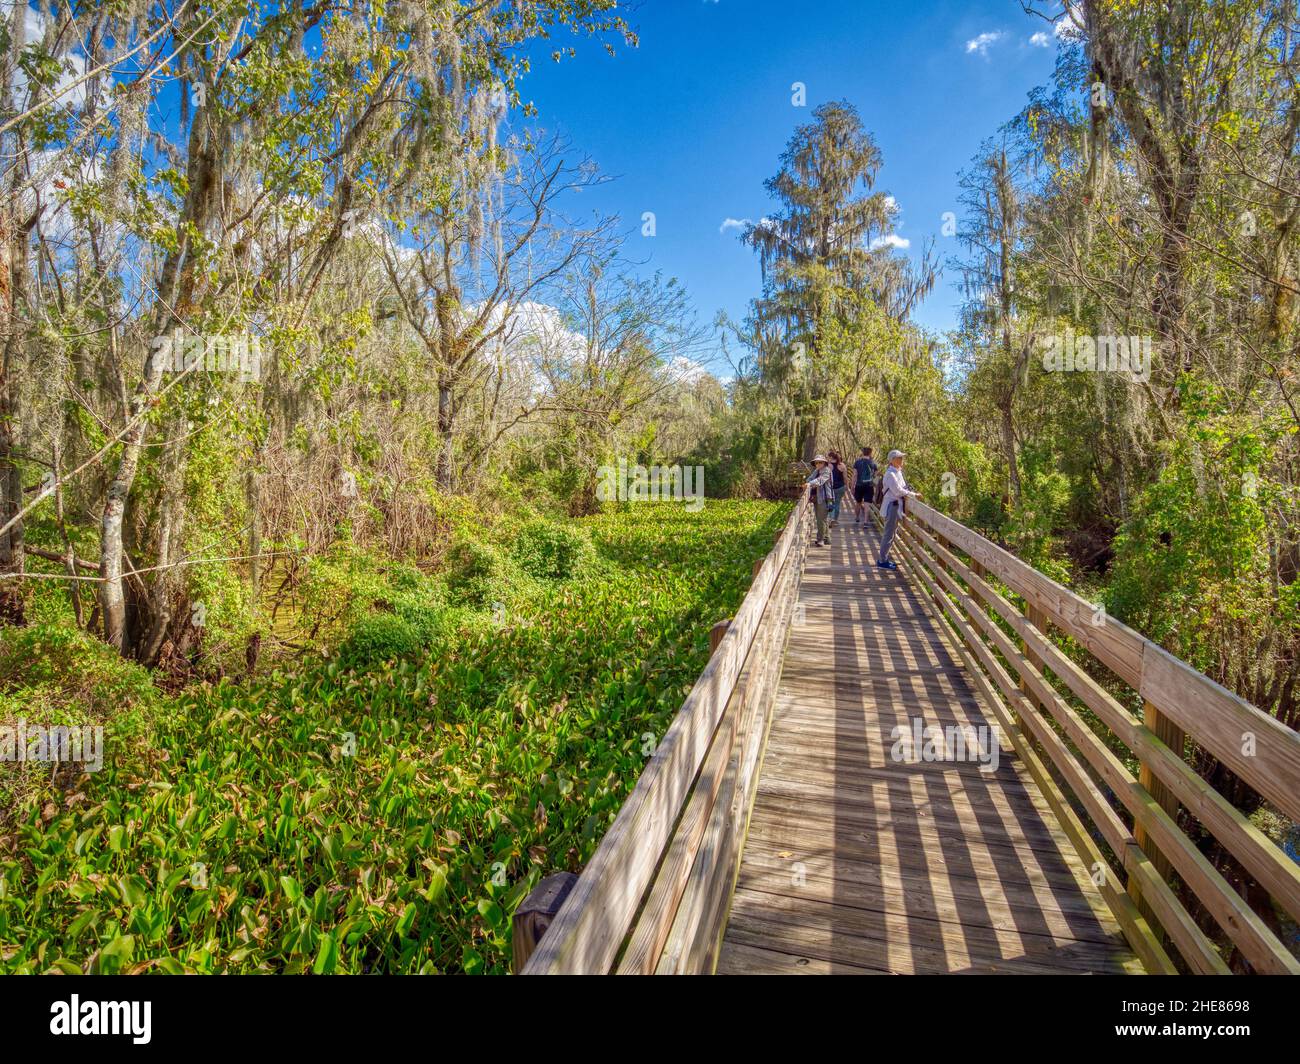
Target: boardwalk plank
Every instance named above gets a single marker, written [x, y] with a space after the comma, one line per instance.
[855, 863]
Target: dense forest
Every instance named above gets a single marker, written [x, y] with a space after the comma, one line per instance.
[312, 369]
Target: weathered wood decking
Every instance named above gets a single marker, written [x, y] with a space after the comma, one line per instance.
[773, 830]
[857, 863]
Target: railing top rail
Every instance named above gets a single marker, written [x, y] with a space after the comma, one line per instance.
[590, 928]
[1226, 725]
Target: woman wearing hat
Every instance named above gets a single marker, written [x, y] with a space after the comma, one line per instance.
[822, 495]
[891, 505]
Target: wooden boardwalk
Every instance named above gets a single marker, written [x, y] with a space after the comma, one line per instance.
[774, 830]
[857, 863]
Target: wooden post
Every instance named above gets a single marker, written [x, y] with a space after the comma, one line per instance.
[535, 914]
[1038, 619]
[1175, 738]
[715, 635]
[758, 564]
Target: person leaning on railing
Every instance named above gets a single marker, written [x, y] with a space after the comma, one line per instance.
[821, 495]
[895, 493]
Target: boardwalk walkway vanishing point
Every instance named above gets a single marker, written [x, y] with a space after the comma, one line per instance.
[958, 766]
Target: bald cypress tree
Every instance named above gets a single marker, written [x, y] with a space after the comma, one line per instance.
[825, 248]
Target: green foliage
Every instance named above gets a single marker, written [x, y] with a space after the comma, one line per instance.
[1192, 563]
[388, 820]
[340, 588]
[380, 637]
[988, 517]
[421, 622]
[479, 574]
[70, 668]
[1031, 526]
[551, 551]
[54, 674]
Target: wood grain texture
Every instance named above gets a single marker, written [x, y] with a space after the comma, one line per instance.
[590, 930]
[858, 863]
[1223, 723]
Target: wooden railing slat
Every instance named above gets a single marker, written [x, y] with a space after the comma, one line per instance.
[1275, 871]
[589, 930]
[1212, 715]
[1241, 923]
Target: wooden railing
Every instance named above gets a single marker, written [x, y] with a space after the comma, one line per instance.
[1037, 690]
[654, 896]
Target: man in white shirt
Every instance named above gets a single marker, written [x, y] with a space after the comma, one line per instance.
[891, 505]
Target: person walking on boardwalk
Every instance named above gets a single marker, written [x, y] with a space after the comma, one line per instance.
[839, 485]
[891, 505]
[864, 485]
[821, 495]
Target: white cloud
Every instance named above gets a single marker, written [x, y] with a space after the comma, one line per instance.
[1040, 40]
[685, 370]
[892, 204]
[1066, 30]
[733, 223]
[980, 45]
[892, 240]
[73, 66]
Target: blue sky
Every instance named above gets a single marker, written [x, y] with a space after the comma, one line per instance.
[693, 121]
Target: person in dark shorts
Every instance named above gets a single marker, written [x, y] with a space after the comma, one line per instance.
[864, 485]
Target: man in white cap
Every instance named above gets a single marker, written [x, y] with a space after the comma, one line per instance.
[822, 495]
[891, 505]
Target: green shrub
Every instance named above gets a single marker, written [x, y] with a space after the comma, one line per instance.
[407, 578]
[71, 672]
[433, 620]
[989, 516]
[54, 675]
[552, 552]
[340, 589]
[380, 637]
[478, 574]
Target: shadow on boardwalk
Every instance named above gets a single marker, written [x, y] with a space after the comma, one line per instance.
[858, 863]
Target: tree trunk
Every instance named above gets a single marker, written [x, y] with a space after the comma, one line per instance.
[13, 293]
[446, 428]
[112, 599]
[175, 291]
[1009, 445]
[171, 536]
